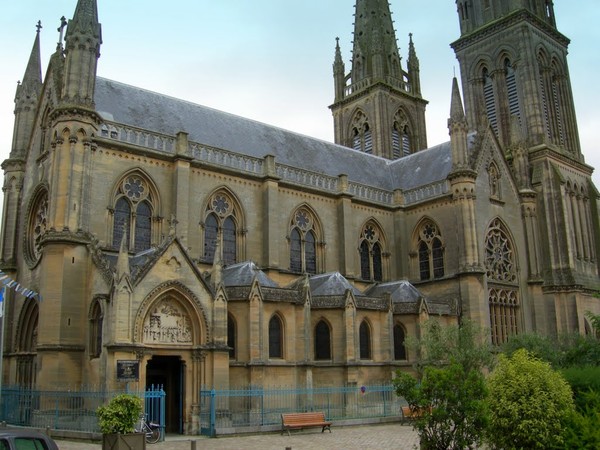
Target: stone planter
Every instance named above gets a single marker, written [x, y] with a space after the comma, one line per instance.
[118, 441]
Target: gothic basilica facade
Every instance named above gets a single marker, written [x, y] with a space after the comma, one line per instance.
[217, 251]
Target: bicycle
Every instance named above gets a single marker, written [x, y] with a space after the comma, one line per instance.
[150, 429]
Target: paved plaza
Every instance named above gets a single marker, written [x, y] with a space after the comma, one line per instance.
[365, 437]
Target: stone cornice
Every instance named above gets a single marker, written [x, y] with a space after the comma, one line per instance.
[485, 31]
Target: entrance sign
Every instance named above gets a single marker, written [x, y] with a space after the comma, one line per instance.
[128, 370]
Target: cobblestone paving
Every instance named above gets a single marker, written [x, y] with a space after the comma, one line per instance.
[367, 437]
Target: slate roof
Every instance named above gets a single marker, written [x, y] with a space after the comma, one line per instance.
[244, 273]
[332, 283]
[136, 107]
[400, 291]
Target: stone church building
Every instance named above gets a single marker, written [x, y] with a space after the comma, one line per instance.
[217, 251]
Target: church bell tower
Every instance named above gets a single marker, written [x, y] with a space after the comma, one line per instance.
[378, 107]
[515, 80]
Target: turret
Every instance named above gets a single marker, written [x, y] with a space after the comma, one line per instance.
[413, 68]
[339, 71]
[26, 100]
[457, 126]
[82, 50]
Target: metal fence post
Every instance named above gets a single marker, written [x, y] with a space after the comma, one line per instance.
[213, 413]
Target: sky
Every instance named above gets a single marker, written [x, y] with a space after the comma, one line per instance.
[271, 60]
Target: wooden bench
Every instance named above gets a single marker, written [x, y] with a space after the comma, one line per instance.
[304, 420]
[409, 413]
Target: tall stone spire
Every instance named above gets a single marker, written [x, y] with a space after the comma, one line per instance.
[457, 126]
[26, 99]
[339, 71]
[375, 51]
[413, 67]
[378, 107]
[82, 49]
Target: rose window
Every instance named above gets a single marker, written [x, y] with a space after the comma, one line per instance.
[499, 258]
[303, 220]
[40, 224]
[135, 188]
[221, 204]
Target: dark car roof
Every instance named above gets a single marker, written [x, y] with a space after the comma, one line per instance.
[12, 433]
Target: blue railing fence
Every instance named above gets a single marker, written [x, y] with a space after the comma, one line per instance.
[258, 407]
[71, 409]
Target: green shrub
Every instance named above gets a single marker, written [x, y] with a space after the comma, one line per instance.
[583, 426]
[582, 380]
[529, 403]
[120, 414]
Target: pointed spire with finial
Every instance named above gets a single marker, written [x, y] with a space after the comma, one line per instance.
[457, 126]
[122, 268]
[339, 71]
[413, 67]
[82, 50]
[373, 34]
[26, 99]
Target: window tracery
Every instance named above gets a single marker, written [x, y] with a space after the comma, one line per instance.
[303, 242]
[430, 250]
[370, 250]
[221, 227]
[38, 225]
[401, 136]
[132, 214]
[503, 291]
[362, 139]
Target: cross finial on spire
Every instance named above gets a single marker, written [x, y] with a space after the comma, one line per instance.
[39, 26]
[60, 29]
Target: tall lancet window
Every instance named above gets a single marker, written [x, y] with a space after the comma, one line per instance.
[362, 138]
[511, 89]
[221, 227]
[489, 99]
[401, 136]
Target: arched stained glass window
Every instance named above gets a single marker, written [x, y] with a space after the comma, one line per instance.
[221, 225]
[229, 241]
[121, 221]
[503, 288]
[275, 337]
[430, 249]
[322, 341]
[133, 211]
[210, 237]
[231, 336]
[143, 226]
[399, 346]
[370, 252]
[365, 340]
[303, 242]
[96, 320]
[365, 261]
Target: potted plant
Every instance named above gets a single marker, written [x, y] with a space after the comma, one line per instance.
[117, 422]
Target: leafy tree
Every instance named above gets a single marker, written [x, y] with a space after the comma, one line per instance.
[449, 390]
[529, 403]
[452, 406]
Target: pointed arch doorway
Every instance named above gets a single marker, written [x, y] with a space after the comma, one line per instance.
[169, 372]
